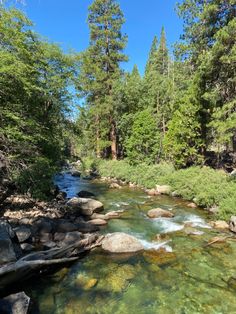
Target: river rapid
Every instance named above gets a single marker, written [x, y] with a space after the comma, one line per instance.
[178, 273]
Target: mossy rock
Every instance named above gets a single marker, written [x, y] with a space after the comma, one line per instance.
[160, 257]
[85, 282]
[118, 279]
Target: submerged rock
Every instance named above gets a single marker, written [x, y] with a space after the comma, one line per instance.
[159, 212]
[85, 206]
[15, 304]
[120, 242]
[159, 257]
[85, 194]
[232, 224]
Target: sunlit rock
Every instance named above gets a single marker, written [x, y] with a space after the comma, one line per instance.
[120, 242]
[159, 212]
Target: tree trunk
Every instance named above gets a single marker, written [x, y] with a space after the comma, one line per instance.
[113, 139]
[98, 150]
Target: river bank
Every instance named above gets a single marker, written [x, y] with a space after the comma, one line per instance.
[211, 189]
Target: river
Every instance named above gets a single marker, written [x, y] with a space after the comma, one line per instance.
[184, 276]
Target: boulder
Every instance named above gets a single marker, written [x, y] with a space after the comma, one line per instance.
[23, 234]
[193, 231]
[85, 206]
[66, 239]
[86, 227]
[75, 173]
[152, 192]
[192, 205]
[114, 214]
[232, 224]
[120, 242]
[9, 244]
[43, 226]
[27, 247]
[65, 226]
[115, 186]
[163, 189]
[18, 303]
[98, 222]
[85, 194]
[159, 212]
[219, 224]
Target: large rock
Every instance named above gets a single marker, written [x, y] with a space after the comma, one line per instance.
[115, 186]
[15, 304]
[65, 226]
[159, 212]
[98, 222]
[163, 189]
[65, 239]
[85, 206]
[9, 245]
[23, 234]
[232, 224]
[219, 224]
[120, 242]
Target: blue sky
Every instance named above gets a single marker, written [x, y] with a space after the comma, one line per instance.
[64, 22]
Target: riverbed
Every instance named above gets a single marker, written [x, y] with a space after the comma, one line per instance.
[177, 273]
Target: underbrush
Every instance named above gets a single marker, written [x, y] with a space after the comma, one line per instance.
[203, 185]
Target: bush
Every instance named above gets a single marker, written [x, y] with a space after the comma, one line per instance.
[37, 179]
[203, 185]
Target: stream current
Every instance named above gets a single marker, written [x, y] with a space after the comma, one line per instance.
[177, 274]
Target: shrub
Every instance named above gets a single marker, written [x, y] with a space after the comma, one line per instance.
[203, 185]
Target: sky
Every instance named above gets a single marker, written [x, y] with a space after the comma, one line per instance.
[64, 22]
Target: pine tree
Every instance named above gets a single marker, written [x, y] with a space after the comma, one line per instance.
[100, 69]
[151, 57]
[162, 55]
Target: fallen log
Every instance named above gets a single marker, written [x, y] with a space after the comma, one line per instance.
[37, 262]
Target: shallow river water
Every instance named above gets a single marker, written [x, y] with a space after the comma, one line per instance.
[183, 276]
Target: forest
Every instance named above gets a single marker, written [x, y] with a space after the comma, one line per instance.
[118, 187]
[181, 112]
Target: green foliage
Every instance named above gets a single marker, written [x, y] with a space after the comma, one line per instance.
[183, 142]
[143, 144]
[100, 70]
[34, 97]
[36, 179]
[205, 186]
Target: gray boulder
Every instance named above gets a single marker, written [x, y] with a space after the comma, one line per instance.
[232, 224]
[85, 206]
[9, 244]
[23, 234]
[15, 304]
[120, 242]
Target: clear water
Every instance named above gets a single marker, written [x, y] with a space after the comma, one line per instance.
[185, 277]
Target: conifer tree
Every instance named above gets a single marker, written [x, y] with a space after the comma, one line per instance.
[151, 57]
[100, 70]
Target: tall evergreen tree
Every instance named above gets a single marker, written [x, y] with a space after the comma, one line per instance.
[162, 55]
[151, 57]
[100, 70]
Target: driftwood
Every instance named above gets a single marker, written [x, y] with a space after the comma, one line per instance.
[33, 263]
